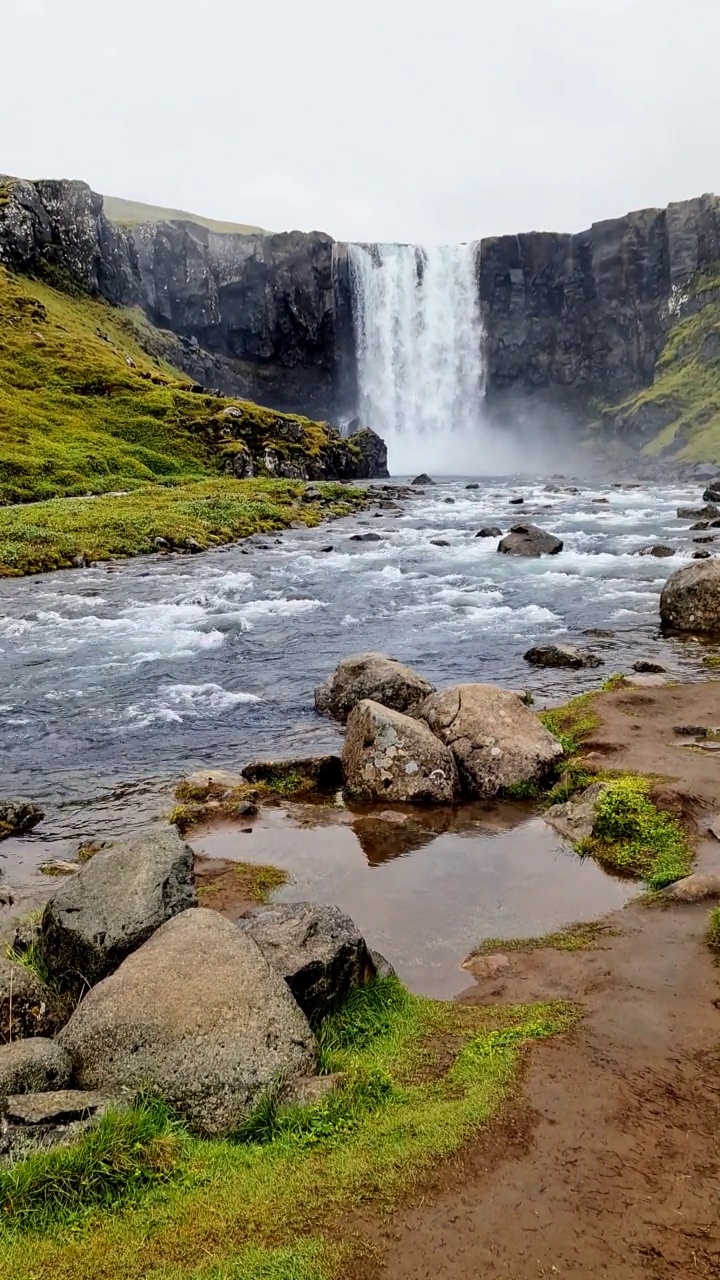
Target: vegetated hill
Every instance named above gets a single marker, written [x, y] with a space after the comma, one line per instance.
[85, 408]
[128, 213]
[679, 413]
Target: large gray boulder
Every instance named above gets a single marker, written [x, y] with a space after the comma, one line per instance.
[497, 741]
[690, 599]
[319, 951]
[197, 1015]
[529, 540]
[390, 757]
[27, 1008]
[29, 1066]
[118, 900]
[370, 675]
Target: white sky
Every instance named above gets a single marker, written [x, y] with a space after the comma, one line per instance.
[435, 120]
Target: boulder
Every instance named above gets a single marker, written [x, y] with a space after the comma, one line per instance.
[489, 531]
[18, 816]
[690, 599]
[423, 478]
[472, 486]
[114, 904]
[561, 655]
[365, 537]
[383, 967]
[646, 667]
[318, 950]
[575, 819]
[712, 493]
[389, 756]
[698, 513]
[57, 1107]
[497, 741]
[701, 555]
[528, 540]
[659, 550]
[439, 542]
[303, 773]
[516, 502]
[27, 1008]
[199, 1017]
[28, 1066]
[370, 675]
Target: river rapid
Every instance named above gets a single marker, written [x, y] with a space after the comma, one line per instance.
[118, 678]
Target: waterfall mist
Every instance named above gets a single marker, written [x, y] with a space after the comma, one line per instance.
[418, 344]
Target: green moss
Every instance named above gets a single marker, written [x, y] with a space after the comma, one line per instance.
[90, 403]
[51, 535]
[574, 937]
[632, 836]
[686, 387]
[713, 929]
[255, 882]
[421, 1077]
[572, 723]
[712, 660]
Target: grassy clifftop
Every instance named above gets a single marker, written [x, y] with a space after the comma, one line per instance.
[680, 411]
[128, 213]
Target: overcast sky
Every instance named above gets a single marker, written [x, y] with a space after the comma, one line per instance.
[435, 120]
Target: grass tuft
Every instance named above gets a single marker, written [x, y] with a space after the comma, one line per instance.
[124, 1153]
[630, 835]
[713, 929]
[573, 722]
[574, 937]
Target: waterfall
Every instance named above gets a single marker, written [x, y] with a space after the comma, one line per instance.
[418, 347]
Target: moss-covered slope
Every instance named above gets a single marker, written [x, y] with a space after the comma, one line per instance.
[679, 413]
[85, 409]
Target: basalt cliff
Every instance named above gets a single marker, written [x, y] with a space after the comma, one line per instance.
[615, 327]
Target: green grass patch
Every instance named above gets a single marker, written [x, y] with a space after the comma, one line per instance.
[123, 1154]
[421, 1077]
[41, 536]
[713, 929]
[632, 836]
[255, 882]
[574, 937]
[573, 722]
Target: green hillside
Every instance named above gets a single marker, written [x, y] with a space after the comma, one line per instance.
[679, 413]
[85, 410]
[128, 213]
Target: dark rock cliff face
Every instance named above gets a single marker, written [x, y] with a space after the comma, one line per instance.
[253, 314]
[572, 317]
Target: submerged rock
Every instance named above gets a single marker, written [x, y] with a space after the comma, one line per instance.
[698, 513]
[561, 655]
[316, 773]
[28, 1066]
[319, 951]
[114, 904]
[659, 550]
[370, 675]
[18, 816]
[647, 667]
[575, 818]
[365, 537]
[529, 540]
[690, 599]
[423, 478]
[197, 1015]
[489, 531]
[389, 756]
[496, 740]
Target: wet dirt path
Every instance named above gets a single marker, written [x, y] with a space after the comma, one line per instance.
[608, 1166]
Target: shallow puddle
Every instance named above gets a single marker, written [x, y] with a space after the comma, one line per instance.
[422, 889]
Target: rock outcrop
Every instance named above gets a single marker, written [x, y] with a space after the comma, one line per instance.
[370, 675]
[690, 599]
[121, 896]
[496, 740]
[18, 816]
[389, 756]
[529, 540]
[319, 951]
[199, 1016]
[561, 655]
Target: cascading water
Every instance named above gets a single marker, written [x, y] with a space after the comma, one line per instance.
[418, 345]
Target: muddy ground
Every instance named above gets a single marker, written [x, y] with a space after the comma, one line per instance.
[608, 1165]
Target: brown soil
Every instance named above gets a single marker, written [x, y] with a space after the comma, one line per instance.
[609, 1165]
